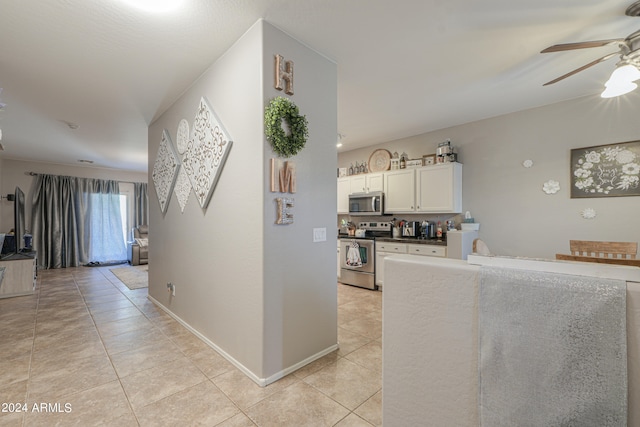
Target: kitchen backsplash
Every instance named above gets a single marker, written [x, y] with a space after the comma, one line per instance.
[457, 219]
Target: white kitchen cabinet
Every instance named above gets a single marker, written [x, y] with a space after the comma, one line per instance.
[439, 188]
[367, 183]
[344, 188]
[399, 196]
[383, 250]
[358, 183]
[427, 250]
[375, 182]
[430, 189]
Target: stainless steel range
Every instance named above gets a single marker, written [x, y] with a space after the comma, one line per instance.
[358, 257]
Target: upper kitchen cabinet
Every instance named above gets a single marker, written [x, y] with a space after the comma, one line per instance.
[344, 189]
[430, 189]
[439, 188]
[364, 183]
[399, 196]
[367, 183]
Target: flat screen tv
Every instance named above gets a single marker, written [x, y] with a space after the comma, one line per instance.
[14, 243]
[19, 228]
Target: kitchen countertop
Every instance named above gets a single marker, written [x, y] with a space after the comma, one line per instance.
[413, 240]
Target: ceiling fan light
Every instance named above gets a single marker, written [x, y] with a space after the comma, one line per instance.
[624, 74]
[612, 90]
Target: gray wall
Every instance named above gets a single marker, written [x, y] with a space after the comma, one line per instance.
[517, 218]
[300, 280]
[262, 293]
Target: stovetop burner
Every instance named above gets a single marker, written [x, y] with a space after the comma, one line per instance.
[376, 229]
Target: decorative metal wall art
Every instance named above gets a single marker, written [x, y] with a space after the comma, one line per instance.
[182, 189]
[284, 74]
[606, 170]
[165, 170]
[182, 139]
[206, 152]
[284, 214]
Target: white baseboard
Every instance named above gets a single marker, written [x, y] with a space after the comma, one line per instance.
[275, 377]
[262, 382]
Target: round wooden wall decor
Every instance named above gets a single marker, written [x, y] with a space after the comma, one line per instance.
[380, 160]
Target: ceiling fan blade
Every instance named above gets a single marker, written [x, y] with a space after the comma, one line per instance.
[581, 45]
[584, 67]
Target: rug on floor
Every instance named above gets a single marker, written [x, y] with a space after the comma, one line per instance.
[134, 277]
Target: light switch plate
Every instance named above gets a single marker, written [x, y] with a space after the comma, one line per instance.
[319, 235]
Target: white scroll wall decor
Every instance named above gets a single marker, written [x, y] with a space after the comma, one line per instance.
[206, 152]
[182, 189]
[165, 170]
[182, 139]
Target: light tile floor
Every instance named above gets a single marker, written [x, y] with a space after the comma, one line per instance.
[86, 350]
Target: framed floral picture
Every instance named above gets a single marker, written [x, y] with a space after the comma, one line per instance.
[606, 170]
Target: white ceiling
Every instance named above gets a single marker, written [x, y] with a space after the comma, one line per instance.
[404, 67]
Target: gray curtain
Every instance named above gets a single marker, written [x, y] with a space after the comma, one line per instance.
[61, 220]
[140, 204]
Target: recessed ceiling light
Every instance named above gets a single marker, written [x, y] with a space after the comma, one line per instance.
[155, 5]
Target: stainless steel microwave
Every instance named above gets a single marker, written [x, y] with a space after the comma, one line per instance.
[366, 203]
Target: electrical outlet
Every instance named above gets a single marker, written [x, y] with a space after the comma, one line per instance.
[171, 288]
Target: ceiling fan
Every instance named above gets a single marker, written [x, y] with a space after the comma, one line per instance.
[627, 69]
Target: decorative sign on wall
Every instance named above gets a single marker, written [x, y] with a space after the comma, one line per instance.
[165, 170]
[606, 170]
[284, 214]
[284, 75]
[206, 152]
[283, 176]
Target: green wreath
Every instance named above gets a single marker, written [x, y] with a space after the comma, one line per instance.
[283, 109]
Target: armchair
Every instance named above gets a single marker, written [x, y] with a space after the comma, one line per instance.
[139, 248]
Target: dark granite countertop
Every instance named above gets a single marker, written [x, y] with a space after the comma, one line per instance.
[413, 240]
[410, 240]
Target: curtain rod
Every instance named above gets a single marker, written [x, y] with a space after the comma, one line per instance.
[126, 182]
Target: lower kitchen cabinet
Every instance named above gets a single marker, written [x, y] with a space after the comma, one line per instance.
[385, 249]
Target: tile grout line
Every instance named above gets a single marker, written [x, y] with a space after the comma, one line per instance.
[33, 346]
[182, 351]
[124, 391]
